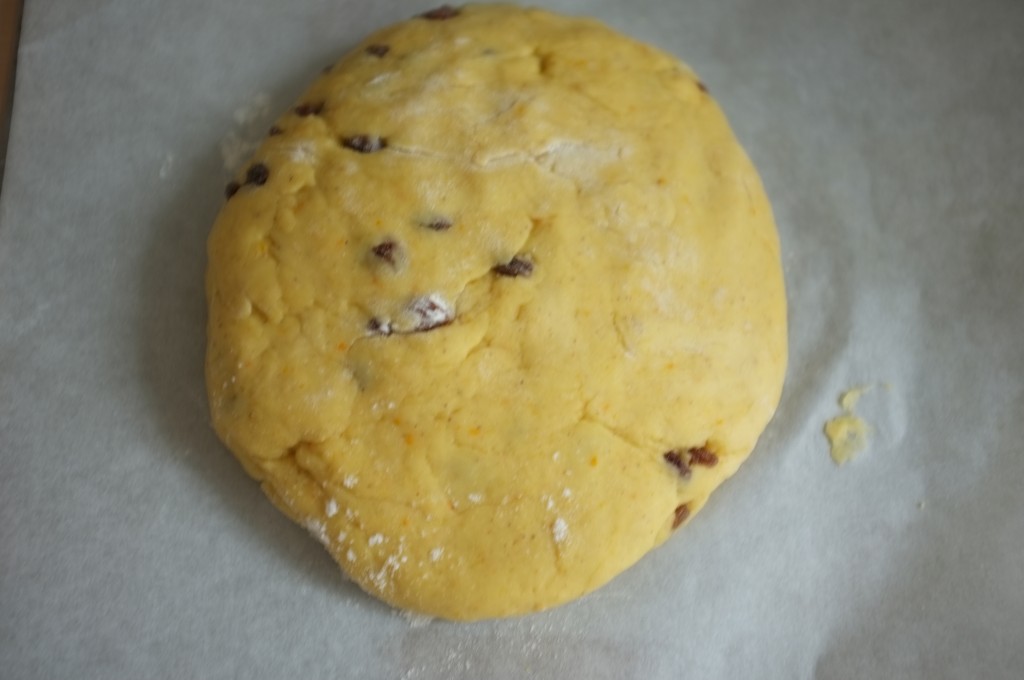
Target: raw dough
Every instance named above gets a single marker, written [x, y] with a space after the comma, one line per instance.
[847, 433]
[494, 308]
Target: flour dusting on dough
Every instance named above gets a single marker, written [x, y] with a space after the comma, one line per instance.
[318, 530]
[560, 530]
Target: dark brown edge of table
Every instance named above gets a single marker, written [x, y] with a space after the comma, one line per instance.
[10, 31]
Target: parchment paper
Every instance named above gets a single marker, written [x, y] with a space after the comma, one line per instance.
[889, 135]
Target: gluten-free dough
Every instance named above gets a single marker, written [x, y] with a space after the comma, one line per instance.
[494, 308]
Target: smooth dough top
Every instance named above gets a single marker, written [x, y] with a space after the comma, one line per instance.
[495, 308]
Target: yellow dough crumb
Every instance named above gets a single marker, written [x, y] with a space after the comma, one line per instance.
[847, 433]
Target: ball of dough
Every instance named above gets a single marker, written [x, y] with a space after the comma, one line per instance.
[494, 308]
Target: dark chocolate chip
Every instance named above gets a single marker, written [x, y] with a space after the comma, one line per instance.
[517, 266]
[702, 87]
[274, 131]
[231, 189]
[702, 455]
[675, 458]
[438, 224]
[386, 251]
[309, 109]
[378, 50]
[258, 174]
[432, 312]
[680, 514]
[441, 13]
[378, 327]
[364, 143]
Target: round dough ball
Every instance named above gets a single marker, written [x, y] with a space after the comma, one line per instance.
[494, 308]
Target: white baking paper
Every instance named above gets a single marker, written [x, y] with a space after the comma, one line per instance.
[889, 135]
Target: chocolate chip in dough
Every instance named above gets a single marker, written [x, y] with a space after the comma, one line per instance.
[437, 223]
[441, 13]
[378, 326]
[432, 312]
[675, 458]
[386, 250]
[257, 174]
[517, 266]
[309, 109]
[702, 455]
[364, 143]
[679, 515]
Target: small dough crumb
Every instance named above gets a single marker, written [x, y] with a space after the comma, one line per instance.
[848, 399]
[847, 433]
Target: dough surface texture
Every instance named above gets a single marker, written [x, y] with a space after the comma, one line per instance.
[494, 308]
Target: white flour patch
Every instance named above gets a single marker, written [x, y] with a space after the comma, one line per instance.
[560, 530]
[250, 120]
[302, 153]
[166, 165]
